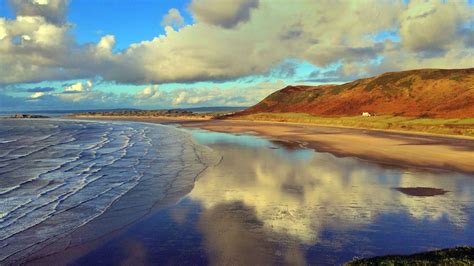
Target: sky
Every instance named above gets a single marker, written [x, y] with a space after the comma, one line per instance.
[102, 54]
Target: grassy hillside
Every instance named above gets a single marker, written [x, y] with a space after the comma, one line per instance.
[448, 126]
[426, 93]
[451, 256]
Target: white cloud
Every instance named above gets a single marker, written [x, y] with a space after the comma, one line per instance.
[3, 29]
[150, 92]
[173, 18]
[79, 87]
[236, 43]
[432, 25]
[37, 95]
[26, 37]
[41, 2]
[106, 43]
[205, 96]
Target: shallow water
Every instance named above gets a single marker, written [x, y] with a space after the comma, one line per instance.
[328, 209]
[271, 202]
[274, 203]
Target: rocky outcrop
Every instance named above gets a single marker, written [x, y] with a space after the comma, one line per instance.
[17, 116]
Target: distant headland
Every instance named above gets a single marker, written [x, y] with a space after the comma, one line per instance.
[20, 116]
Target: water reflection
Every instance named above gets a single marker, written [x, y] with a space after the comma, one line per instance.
[270, 203]
[296, 198]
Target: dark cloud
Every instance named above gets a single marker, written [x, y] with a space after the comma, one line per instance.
[365, 52]
[330, 55]
[72, 92]
[40, 89]
[324, 80]
[295, 31]
[54, 11]
[467, 34]
[331, 76]
[285, 70]
[226, 14]
[316, 73]
[422, 15]
[432, 52]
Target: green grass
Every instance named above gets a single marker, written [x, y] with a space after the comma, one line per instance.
[385, 79]
[457, 78]
[407, 83]
[450, 256]
[464, 126]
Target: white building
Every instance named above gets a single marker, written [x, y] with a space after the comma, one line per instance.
[366, 114]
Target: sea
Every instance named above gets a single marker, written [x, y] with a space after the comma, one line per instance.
[57, 176]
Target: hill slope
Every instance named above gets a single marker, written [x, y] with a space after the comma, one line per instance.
[416, 93]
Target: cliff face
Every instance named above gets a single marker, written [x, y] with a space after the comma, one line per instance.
[420, 93]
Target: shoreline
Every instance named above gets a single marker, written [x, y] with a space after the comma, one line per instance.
[425, 151]
[363, 128]
[182, 119]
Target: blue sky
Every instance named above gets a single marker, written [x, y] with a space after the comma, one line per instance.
[130, 21]
[60, 54]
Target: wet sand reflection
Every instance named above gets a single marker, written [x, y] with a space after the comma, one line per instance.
[295, 199]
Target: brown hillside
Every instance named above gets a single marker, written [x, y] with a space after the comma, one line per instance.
[425, 92]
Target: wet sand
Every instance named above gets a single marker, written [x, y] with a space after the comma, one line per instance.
[391, 148]
[421, 191]
[385, 147]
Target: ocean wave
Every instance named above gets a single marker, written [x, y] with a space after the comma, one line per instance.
[61, 175]
[7, 141]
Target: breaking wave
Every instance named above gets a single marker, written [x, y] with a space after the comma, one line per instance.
[59, 175]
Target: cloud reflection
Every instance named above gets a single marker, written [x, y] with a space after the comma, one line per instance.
[300, 198]
[235, 236]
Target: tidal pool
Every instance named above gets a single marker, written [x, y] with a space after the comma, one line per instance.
[271, 202]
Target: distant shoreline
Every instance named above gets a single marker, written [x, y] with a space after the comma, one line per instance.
[174, 119]
[400, 149]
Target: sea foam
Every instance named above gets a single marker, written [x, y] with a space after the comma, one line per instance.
[59, 177]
